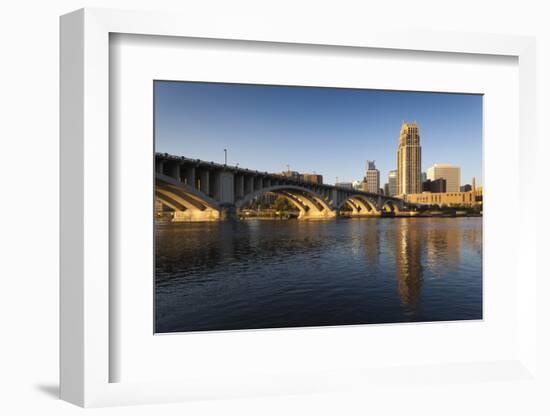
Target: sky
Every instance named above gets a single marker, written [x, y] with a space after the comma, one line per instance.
[330, 131]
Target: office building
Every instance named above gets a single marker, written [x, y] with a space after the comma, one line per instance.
[450, 173]
[435, 186]
[372, 178]
[409, 159]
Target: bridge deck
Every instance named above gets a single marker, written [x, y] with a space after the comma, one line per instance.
[182, 160]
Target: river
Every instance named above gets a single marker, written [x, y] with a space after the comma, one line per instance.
[269, 274]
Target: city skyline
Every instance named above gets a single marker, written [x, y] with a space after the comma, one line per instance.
[272, 127]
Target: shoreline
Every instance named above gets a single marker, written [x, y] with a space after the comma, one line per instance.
[166, 221]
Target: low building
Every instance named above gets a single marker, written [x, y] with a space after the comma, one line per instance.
[444, 199]
[292, 174]
[466, 188]
[479, 193]
[313, 178]
[347, 185]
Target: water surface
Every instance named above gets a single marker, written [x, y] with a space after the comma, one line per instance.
[269, 274]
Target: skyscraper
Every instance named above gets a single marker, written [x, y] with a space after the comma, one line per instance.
[392, 183]
[372, 178]
[409, 159]
[450, 173]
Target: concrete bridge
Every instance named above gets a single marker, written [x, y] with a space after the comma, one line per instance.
[200, 191]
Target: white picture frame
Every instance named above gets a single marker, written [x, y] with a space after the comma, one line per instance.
[86, 330]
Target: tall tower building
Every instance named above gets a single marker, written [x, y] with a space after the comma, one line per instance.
[372, 178]
[450, 173]
[409, 159]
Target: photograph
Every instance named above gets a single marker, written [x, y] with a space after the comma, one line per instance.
[284, 206]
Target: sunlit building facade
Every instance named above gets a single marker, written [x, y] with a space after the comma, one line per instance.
[450, 173]
[409, 160]
[372, 178]
[443, 199]
[471, 198]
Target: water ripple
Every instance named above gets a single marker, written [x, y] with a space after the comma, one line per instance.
[266, 274]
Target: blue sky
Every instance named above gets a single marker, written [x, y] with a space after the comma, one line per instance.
[330, 131]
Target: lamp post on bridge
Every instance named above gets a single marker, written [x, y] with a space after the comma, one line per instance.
[225, 156]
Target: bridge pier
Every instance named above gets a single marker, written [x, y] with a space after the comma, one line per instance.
[248, 184]
[228, 213]
[227, 188]
[239, 186]
[188, 176]
[365, 214]
[317, 215]
[196, 215]
[173, 169]
[204, 181]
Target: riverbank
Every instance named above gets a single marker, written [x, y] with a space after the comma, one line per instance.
[166, 217]
[449, 214]
[415, 215]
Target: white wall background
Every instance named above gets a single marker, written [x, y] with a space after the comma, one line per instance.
[29, 205]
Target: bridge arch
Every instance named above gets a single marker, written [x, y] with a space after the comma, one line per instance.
[310, 204]
[188, 203]
[361, 205]
[391, 207]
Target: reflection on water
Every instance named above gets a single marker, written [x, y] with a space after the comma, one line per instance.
[269, 274]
